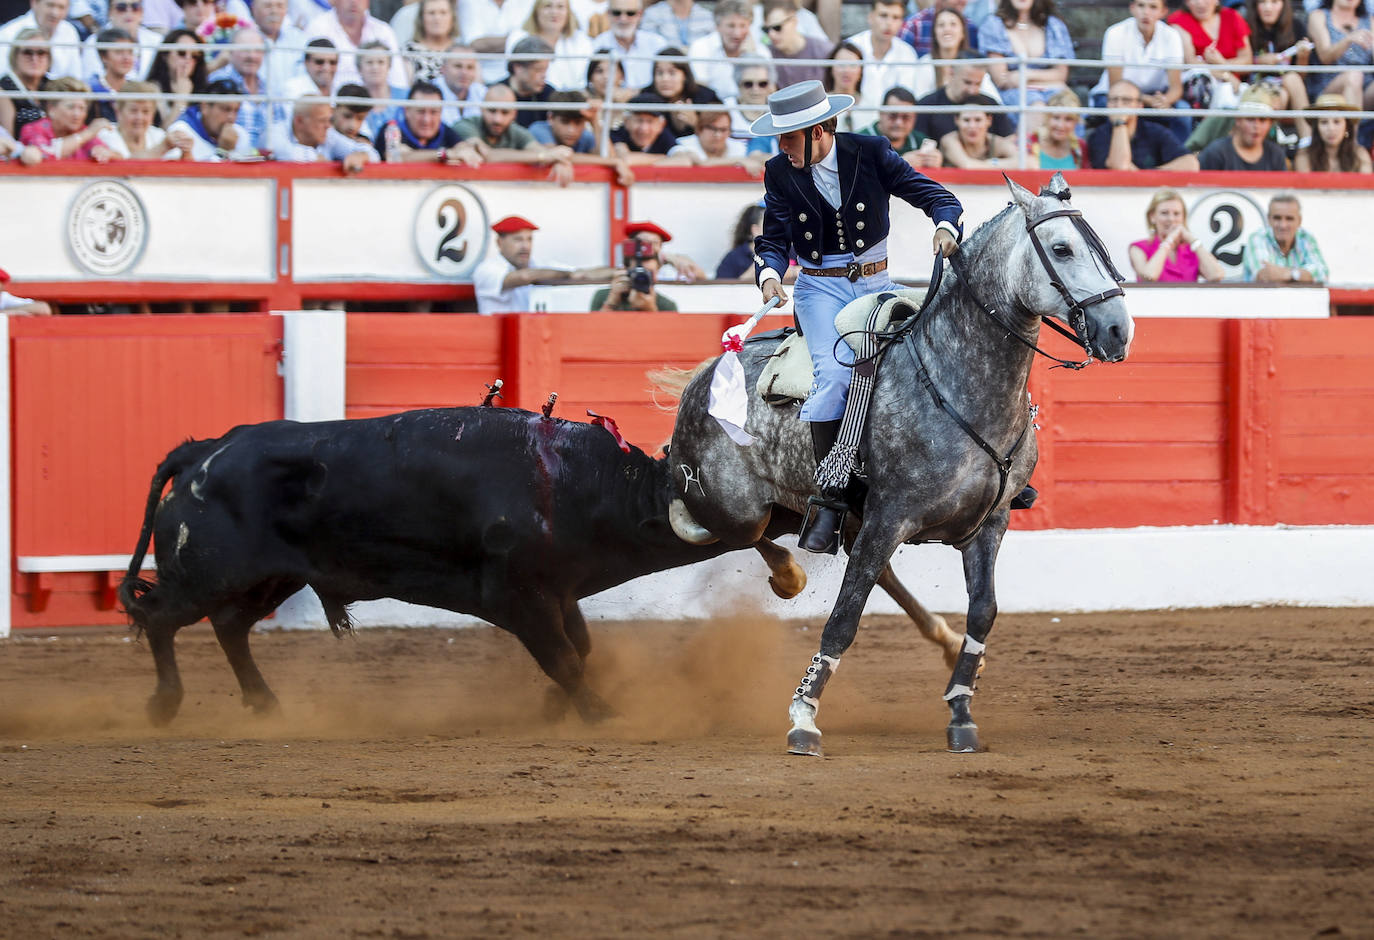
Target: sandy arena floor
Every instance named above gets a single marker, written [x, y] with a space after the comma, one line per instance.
[1196, 774]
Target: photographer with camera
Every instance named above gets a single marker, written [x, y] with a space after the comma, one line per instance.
[632, 287]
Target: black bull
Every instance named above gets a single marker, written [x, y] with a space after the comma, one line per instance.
[495, 512]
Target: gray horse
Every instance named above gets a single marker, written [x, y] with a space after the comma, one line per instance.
[949, 440]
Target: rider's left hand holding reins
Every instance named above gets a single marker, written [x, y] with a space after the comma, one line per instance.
[945, 243]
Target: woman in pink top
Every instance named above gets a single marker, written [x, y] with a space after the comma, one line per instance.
[64, 134]
[1216, 35]
[1171, 253]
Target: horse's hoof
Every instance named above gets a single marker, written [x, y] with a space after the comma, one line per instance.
[963, 739]
[162, 709]
[804, 742]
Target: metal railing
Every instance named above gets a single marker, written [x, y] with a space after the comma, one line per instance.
[608, 104]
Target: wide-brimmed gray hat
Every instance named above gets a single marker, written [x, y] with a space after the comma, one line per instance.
[798, 106]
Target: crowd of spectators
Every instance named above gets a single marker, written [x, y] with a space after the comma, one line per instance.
[561, 83]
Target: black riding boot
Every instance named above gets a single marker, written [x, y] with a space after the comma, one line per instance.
[825, 513]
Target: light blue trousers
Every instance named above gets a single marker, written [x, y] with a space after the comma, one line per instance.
[816, 300]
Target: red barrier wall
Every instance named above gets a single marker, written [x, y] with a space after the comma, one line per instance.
[97, 404]
[1254, 422]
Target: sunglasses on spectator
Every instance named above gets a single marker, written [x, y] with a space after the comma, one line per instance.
[184, 53]
[624, 12]
[319, 60]
[135, 7]
[777, 27]
[761, 83]
[35, 53]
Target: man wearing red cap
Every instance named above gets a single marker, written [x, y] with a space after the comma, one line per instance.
[12, 306]
[672, 266]
[503, 279]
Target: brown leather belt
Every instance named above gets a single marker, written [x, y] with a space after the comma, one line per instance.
[852, 271]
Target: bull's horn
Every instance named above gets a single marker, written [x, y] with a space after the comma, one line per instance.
[687, 528]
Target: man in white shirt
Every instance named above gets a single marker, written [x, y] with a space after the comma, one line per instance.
[460, 82]
[625, 38]
[1137, 49]
[12, 306]
[731, 43]
[896, 61]
[284, 44]
[487, 24]
[348, 26]
[49, 17]
[503, 280]
[712, 145]
[128, 16]
[310, 138]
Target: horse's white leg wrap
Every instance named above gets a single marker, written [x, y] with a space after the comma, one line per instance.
[805, 737]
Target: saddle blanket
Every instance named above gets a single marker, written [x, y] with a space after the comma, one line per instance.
[787, 374]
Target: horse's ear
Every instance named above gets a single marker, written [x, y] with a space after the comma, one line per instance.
[1058, 187]
[1023, 196]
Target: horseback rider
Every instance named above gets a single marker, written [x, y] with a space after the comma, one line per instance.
[817, 176]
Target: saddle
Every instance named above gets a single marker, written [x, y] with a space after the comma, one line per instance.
[787, 373]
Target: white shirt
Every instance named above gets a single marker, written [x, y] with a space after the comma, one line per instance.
[284, 59]
[568, 70]
[147, 41]
[301, 86]
[638, 74]
[455, 112]
[927, 81]
[281, 140]
[487, 280]
[1141, 62]
[202, 151]
[692, 145]
[719, 72]
[898, 68]
[479, 18]
[326, 25]
[66, 49]
[154, 137]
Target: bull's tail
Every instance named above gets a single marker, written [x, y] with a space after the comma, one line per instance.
[134, 587]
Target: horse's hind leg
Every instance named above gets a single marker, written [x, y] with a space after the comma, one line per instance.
[980, 560]
[787, 578]
[932, 626]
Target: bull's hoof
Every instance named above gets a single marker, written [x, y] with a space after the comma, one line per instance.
[804, 742]
[592, 707]
[162, 707]
[963, 739]
[264, 703]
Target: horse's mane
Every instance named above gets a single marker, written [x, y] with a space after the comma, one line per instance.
[974, 243]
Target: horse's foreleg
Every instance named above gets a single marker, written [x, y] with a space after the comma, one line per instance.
[980, 560]
[869, 556]
[932, 626]
[787, 578]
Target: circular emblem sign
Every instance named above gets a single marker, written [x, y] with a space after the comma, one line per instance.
[451, 231]
[107, 228]
[1224, 221]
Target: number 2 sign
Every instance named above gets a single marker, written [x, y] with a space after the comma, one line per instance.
[1225, 221]
[451, 231]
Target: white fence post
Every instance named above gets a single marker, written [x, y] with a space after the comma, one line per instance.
[314, 364]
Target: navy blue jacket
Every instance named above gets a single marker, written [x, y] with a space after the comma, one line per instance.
[796, 215]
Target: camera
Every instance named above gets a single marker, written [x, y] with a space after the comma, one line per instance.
[634, 252]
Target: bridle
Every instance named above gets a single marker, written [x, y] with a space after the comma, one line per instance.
[1077, 312]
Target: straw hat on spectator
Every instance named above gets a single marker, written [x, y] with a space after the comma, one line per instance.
[1330, 102]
